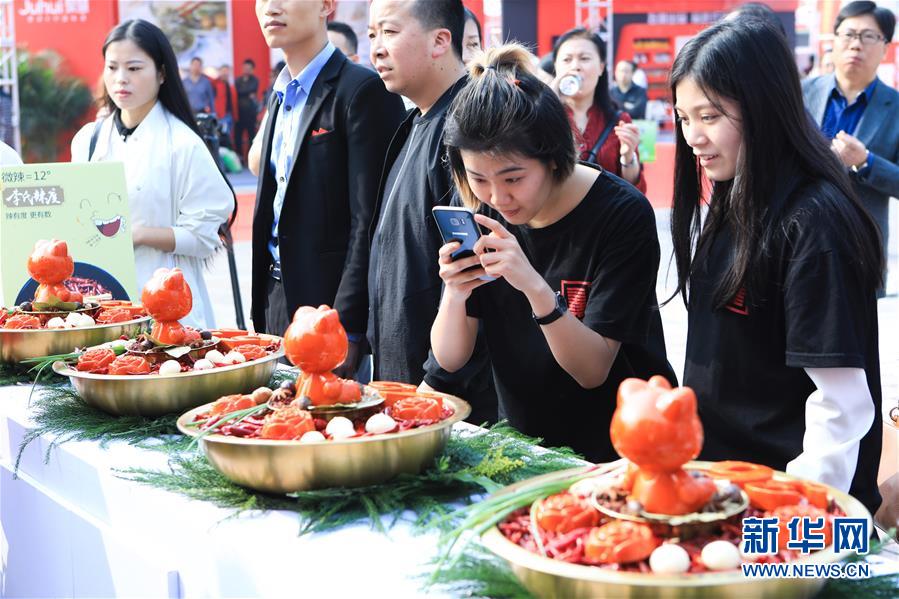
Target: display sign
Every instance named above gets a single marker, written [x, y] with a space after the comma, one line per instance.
[649, 132]
[195, 29]
[86, 205]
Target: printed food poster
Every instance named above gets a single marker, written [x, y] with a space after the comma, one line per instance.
[86, 205]
[195, 28]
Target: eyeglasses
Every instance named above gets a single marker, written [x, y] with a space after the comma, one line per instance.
[868, 38]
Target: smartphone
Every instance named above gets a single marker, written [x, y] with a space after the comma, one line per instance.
[458, 224]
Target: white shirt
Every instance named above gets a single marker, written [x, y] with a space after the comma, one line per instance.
[8, 156]
[837, 417]
[172, 181]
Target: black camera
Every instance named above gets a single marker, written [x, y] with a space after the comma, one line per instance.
[207, 124]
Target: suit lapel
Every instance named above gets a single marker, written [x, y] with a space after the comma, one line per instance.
[878, 107]
[320, 90]
[822, 89]
[273, 106]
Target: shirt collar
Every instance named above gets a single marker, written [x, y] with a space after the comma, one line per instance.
[865, 96]
[443, 102]
[307, 76]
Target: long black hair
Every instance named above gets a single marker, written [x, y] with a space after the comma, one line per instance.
[505, 109]
[748, 62]
[150, 38]
[602, 100]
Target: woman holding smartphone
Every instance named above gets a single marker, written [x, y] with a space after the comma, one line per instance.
[780, 276]
[572, 311]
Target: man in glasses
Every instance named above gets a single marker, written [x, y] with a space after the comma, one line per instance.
[857, 111]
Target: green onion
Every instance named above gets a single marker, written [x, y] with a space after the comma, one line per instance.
[480, 517]
[235, 417]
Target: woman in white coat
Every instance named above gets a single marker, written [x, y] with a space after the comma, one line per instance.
[177, 196]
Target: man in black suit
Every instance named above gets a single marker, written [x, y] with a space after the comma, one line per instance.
[330, 122]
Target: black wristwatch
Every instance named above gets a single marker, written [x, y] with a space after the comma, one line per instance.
[560, 309]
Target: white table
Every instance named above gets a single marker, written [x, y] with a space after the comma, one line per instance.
[71, 528]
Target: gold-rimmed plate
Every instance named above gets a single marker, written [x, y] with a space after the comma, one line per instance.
[546, 577]
[155, 395]
[276, 466]
[20, 344]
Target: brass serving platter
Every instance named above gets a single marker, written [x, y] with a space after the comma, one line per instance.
[288, 466]
[154, 395]
[545, 577]
[20, 344]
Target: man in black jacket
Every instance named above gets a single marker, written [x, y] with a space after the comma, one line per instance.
[247, 86]
[416, 47]
[329, 125]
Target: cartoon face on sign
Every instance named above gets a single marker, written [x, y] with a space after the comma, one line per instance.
[102, 218]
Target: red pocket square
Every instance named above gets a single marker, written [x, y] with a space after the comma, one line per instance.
[319, 132]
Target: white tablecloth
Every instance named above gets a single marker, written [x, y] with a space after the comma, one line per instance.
[72, 528]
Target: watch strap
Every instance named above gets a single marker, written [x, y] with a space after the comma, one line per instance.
[857, 168]
[557, 312]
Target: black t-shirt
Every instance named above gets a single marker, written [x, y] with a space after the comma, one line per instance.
[745, 361]
[603, 257]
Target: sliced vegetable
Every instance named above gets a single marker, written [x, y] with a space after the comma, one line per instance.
[771, 494]
[740, 473]
[815, 493]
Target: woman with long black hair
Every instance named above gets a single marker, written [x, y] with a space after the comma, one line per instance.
[177, 196]
[779, 275]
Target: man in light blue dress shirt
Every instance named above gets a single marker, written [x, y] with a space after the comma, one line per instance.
[323, 147]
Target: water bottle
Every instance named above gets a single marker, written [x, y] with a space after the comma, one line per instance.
[570, 84]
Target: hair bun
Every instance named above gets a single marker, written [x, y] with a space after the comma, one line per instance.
[510, 60]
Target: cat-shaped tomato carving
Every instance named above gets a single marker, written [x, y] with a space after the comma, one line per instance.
[167, 298]
[50, 264]
[316, 343]
[658, 429]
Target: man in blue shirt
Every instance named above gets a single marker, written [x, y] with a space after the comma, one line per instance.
[199, 89]
[857, 111]
[329, 124]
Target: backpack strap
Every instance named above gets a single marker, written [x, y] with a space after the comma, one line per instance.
[94, 137]
[591, 157]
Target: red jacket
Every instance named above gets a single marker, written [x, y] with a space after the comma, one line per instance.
[221, 98]
[608, 155]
